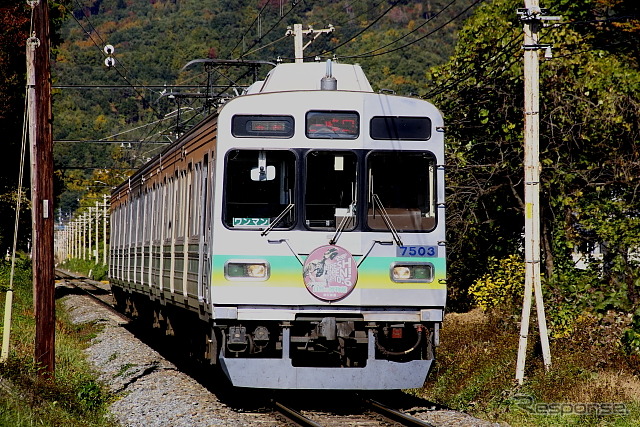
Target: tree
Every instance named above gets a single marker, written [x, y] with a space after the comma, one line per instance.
[15, 21]
[590, 94]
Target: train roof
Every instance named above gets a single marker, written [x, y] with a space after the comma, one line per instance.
[307, 76]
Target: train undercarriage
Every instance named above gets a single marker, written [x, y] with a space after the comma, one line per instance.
[328, 341]
[313, 351]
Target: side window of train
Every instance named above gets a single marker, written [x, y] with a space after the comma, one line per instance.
[330, 190]
[259, 189]
[402, 187]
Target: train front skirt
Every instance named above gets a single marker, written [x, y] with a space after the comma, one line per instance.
[280, 373]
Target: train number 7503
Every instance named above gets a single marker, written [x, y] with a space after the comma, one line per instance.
[417, 251]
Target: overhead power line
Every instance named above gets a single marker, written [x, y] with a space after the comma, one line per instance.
[99, 86]
[382, 15]
[100, 48]
[372, 54]
[262, 36]
[429, 19]
[455, 79]
[102, 141]
[251, 25]
[375, 5]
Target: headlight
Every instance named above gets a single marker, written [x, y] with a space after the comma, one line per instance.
[246, 270]
[257, 270]
[412, 272]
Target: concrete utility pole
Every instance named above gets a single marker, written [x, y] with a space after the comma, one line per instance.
[90, 236]
[104, 231]
[74, 239]
[97, 232]
[298, 34]
[41, 142]
[83, 233]
[532, 17]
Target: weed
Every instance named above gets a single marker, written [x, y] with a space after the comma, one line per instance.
[591, 382]
[123, 369]
[72, 397]
[91, 396]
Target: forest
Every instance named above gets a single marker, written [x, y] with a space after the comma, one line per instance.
[154, 40]
[465, 56]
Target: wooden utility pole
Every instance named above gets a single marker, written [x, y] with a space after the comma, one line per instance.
[532, 17]
[41, 142]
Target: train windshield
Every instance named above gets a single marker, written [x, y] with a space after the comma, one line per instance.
[259, 187]
[402, 188]
[330, 190]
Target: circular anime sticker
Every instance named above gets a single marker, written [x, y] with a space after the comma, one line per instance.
[330, 273]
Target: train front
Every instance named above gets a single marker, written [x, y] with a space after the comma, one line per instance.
[328, 261]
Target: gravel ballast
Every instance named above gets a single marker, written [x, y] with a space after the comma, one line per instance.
[152, 391]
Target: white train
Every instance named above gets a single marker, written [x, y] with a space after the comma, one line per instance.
[296, 236]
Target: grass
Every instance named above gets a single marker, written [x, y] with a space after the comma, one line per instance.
[88, 268]
[591, 382]
[73, 397]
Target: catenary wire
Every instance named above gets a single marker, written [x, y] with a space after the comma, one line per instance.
[123, 76]
[504, 68]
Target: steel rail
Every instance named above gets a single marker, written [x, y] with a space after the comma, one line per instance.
[75, 281]
[396, 415]
[294, 415]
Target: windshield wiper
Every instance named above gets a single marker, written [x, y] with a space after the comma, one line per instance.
[351, 212]
[385, 218]
[278, 219]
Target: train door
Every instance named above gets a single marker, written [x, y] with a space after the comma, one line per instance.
[204, 268]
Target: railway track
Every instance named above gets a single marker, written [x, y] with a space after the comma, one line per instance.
[98, 291]
[302, 408]
[363, 412]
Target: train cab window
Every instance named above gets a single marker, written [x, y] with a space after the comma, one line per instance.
[332, 124]
[401, 190]
[259, 188]
[400, 128]
[330, 190]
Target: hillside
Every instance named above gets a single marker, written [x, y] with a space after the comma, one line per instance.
[395, 42]
[590, 163]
